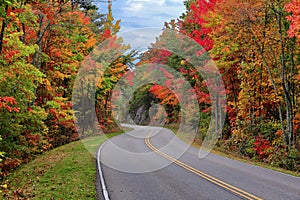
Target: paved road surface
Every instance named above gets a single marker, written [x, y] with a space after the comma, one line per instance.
[152, 168]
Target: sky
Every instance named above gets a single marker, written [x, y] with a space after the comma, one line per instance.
[146, 13]
[137, 16]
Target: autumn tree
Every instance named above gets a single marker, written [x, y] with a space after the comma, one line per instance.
[255, 46]
[22, 128]
[42, 45]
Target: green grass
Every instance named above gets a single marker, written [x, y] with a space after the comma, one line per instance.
[67, 172]
[92, 143]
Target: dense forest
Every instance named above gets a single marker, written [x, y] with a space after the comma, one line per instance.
[255, 45]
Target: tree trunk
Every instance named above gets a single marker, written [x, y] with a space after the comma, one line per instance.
[285, 84]
[3, 26]
[37, 56]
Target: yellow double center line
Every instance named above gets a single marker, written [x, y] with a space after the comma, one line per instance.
[207, 177]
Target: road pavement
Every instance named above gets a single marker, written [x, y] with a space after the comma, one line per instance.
[151, 163]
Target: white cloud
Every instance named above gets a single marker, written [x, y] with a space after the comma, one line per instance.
[157, 2]
[140, 39]
[134, 7]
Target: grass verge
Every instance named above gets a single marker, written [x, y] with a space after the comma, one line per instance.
[67, 172]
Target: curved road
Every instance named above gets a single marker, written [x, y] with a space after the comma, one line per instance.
[147, 164]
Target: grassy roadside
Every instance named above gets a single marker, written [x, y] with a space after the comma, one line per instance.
[231, 155]
[67, 172]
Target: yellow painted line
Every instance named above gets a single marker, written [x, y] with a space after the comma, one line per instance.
[207, 177]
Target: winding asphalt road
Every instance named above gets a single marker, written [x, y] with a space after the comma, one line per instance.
[149, 163]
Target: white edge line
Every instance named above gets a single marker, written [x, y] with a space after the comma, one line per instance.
[104, 190]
